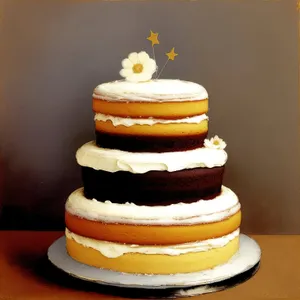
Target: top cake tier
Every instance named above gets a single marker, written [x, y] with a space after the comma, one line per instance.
[155, 116]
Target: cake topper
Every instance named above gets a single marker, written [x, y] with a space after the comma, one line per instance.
[215, 143]
[153, 38]
[139, 67]
[171, 56]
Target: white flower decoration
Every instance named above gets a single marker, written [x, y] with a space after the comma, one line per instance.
[215, 143]
[138, 67]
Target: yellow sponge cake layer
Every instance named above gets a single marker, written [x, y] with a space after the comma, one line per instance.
[182, 258]
[151, 235]
[172, 129]
[162, 110]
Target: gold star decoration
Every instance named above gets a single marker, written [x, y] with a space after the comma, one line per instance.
[298, 5]
[171, 55]
[153, 38]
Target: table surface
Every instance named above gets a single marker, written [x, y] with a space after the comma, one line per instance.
[25, 272]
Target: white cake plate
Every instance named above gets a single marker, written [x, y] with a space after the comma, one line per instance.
[241, 267]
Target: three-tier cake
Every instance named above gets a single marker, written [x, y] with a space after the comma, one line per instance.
[152, 200]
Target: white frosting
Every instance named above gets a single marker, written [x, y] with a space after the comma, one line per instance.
[153, 90]
[202, 211]
[111, 160]
[116, 121]
[113, 250]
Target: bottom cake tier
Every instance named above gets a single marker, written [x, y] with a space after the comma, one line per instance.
[130, 238]
[171, 259]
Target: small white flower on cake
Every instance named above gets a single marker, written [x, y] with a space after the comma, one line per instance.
[215, 143]
[138, 67]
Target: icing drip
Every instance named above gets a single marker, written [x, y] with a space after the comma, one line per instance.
[111, 160]
[151, 91]
[113, 250]
[150, 121]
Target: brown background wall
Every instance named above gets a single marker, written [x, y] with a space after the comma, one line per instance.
[55, 52]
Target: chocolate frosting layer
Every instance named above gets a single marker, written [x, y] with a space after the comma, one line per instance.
[154, 187]
[135, 143]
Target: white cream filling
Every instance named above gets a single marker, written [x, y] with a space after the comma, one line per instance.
[116, 121]
[112, 160]
[202, 211]
[113, 250]
[157, 90]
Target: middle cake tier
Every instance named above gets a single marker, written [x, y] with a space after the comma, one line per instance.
[151, 178]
